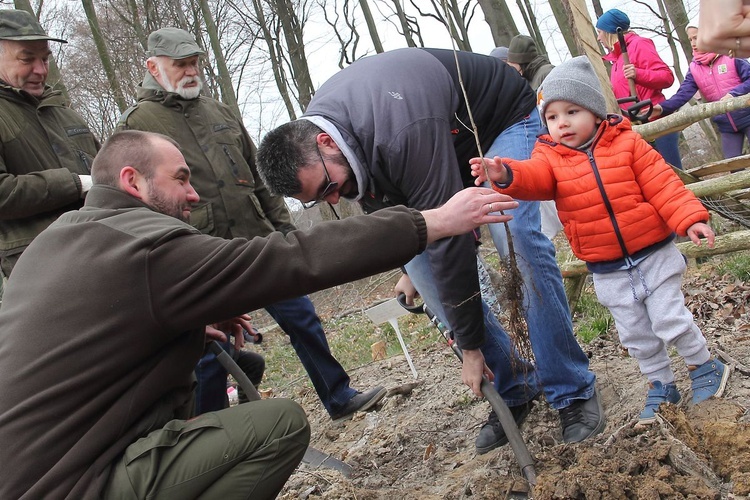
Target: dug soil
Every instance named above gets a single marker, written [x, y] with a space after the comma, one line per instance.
[419, 444]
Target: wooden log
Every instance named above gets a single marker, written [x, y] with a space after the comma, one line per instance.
[720, 167]
[682, 119]
[725, 243]
[720, 185]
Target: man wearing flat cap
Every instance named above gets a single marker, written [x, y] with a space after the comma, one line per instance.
[46, 148]
[234, 204]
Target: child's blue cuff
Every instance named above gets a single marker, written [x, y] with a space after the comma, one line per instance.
[507, 184]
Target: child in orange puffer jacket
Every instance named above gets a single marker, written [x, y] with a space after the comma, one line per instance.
[620, 205]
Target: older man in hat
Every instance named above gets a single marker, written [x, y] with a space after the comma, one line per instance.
[46, 148]
[234, 204]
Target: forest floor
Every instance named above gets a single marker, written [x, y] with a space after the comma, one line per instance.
[419, 444]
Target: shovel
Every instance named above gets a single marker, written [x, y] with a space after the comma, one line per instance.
[521, 452]
[313, 457]
[634, 110]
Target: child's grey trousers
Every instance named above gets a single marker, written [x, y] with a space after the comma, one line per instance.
[649, 310]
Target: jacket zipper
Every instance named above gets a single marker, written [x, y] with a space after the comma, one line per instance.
[608, 206]
[716, 84]
[84, 160]
[233, 166]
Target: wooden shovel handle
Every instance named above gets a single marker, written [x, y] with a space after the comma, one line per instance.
[626, 60]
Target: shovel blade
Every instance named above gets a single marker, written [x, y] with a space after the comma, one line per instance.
[315, 459]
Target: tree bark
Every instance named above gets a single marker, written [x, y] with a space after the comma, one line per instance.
[720, 185]
[225, 80]
[293, 35]
[585, 37]
[678, 16]
[101, 47]
[682, 119]
[670, 41]
[500, 20]
[371, 26]
[404, 23]
[562, 16]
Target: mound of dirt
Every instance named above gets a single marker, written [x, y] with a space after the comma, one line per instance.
[420, 442]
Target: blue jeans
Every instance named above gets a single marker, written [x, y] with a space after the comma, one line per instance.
[668, 146]
[561, 365]
[515, 388]
[299, 321]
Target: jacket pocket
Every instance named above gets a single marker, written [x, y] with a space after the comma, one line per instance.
[202, 218]
[255, 202]
[170, 435]
[237, 166]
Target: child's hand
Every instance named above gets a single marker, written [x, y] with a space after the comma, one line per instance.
[700, 229]
[495, 169]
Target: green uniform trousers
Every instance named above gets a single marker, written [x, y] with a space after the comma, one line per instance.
[247, 451]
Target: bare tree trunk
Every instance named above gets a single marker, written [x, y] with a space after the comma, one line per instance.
[371, 27]
[678, 15]
[135, 21]
[501, 23]
[277, 61]
[453, 17]
[525, 16]
[101, 47]
[406, 27]
[225, 79]
[670, 40]
[349, 39]
[180, 14]
[292, 29]
[563, 21]
[583, 31]
[54, 78]
[457, 19]
[534, 30]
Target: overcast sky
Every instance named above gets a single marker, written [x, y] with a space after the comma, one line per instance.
[322, 49]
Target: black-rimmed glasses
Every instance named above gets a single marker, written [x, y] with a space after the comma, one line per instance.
[329, 188]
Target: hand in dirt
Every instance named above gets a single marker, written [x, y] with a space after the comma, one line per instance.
[495, 169]
[465, 211]
[473, 369]
[698, 230]
[406, 287]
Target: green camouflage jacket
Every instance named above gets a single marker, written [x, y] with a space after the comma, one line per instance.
[234, 201]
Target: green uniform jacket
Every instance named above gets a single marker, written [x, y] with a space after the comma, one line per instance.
[128, 292]
[44, 145]
[234, 201]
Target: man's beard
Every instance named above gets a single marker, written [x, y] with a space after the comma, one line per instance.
[186, 93]
[165, 206]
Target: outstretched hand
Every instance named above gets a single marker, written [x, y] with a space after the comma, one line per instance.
[465, 211]
[495, 169]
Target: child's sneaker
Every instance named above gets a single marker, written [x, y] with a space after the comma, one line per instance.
[709, 379]
[658, 393]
